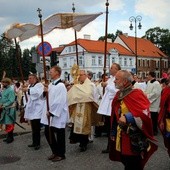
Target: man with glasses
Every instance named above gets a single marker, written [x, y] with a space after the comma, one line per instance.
[81, 104]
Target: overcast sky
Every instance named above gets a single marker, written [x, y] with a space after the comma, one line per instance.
[154, 13]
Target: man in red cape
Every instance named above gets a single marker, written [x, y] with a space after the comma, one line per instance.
[130, 108]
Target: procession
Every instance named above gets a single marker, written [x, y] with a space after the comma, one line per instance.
[78, 117]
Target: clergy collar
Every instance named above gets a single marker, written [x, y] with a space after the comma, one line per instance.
[32, 85]
[56, 80]
[152, 81]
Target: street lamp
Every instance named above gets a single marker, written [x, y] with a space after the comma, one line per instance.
[135, 20]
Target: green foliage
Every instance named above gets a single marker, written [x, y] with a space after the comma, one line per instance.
[10, 59]
[7, 59]
[27, 65]
[160, 37]
[111, 36]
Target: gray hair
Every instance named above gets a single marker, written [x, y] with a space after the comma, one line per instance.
[127, 75]
[85, 71]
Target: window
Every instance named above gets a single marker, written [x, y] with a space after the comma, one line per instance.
[99, 75]
[125, 61]
[80, 60]
[120, 61]
[74, 48]
[93, 61]
[139, 63]
[130, 61]
[143, 63]
[64, 62]
[100, 61]
[69, 49]
[113, 60]
[158, 64]
[148, 63]
[72, 61]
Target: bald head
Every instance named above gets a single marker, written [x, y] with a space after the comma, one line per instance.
[123, 78]
[82, 76]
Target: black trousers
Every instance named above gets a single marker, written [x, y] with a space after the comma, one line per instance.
[107, 124]
[57, 143]
[132, 162]
[36, 128]
[82, 139]
[154, 117]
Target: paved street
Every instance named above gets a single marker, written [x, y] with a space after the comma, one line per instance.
[29, 159]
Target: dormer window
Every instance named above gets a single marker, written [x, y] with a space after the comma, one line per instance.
[69, 49]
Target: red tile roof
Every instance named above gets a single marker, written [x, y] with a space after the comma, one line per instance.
[58, 49]
[98, 46]
[145, 47]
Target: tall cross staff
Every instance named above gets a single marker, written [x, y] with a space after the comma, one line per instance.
[75, 33]
[44, 67]
[105, 44]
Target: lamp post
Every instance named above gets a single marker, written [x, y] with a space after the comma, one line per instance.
[135, 20]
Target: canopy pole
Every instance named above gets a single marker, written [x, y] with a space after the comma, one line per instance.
[44, 67]
[75, 34]
[105, 44]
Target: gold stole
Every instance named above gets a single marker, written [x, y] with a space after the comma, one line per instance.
[124, 110]
[82, 118]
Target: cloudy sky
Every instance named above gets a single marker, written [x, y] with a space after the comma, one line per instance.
[154, 13]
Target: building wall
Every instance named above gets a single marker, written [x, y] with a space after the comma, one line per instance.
[92, 62]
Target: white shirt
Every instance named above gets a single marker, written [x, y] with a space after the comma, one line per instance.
[35, 103]
[153, 92]
[106, 102]
[58, 106]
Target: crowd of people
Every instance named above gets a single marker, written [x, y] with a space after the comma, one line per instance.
[128, 111]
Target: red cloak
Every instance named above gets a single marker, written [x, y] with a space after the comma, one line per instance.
[138, 104]
[164, 110]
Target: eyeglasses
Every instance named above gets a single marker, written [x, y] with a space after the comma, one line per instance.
[81, 74]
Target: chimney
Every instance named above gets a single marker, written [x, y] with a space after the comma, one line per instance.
[126, 34]
[86, 37]
[109, 40]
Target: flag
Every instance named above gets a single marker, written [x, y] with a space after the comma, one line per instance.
[68, 20]
[22, 31]
[60, 20]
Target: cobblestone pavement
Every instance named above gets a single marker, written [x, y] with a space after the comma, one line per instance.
[18, 156]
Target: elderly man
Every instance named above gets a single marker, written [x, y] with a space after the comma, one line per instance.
[7, 107]
[81, 98]
[131, 125]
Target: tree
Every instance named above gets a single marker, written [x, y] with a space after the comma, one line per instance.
[8, 62]
[160, 37]
[111, 36]
[27, 65]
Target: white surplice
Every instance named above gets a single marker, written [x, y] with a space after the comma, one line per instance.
[106, 102]
[58, 106]
[35, 103]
